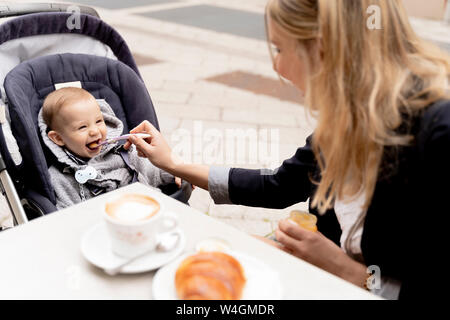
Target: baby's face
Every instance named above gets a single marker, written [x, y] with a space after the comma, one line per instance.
[78, 125]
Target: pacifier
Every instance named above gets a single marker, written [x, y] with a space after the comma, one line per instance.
[83, 175]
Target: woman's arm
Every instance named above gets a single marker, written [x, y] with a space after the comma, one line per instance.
[287, 185]
[280, 188]
[196, 174]
[159, 153]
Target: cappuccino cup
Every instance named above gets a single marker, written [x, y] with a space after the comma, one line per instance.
[134, 222]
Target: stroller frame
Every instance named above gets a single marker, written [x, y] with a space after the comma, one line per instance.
[11, 196]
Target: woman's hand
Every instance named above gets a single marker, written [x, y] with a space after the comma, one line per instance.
[320, 251]
[272, 243]
[159, 153]
[154, 148]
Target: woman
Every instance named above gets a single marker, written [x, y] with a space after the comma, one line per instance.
[373, 166]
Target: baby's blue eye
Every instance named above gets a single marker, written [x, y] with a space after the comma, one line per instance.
[99, 121]
[82, 127]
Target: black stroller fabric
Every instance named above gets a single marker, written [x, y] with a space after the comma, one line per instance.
[28, 84]
[56, 23]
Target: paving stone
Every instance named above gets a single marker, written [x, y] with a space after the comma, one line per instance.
[289, 136]
[258, 85]
[287, 151]
[207, 99]
[219, 19]
[144, 60]
[271, 104]
[196, 127]
[168, 124]
[273, 118]
[191, 112]
[161, 96]
[120, 4]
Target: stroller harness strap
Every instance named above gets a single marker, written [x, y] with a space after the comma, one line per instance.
[126, 158]
[95, 190]
[47, 23]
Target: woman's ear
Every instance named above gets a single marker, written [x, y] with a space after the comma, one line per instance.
[56, 138]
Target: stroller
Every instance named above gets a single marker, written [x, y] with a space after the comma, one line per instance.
[39, 50]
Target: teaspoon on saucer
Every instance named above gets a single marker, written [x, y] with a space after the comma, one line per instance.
[166, 243]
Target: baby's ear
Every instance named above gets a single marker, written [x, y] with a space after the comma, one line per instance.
[56, 138]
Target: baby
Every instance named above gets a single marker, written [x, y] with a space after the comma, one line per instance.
[72, 122]
[75, 121]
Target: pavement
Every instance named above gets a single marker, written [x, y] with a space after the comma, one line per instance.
[207, 68]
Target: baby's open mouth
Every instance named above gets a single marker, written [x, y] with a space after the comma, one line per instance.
[93, 145]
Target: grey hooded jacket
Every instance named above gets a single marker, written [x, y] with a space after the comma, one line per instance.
[112, 171]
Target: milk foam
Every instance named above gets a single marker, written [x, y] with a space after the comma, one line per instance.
[130, 211]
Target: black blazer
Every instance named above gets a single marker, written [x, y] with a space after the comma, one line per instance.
[403, 230]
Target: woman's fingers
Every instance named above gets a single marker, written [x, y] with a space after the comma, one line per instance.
[145, 127]
[293, 230]
[286, 240]
[127, 145]
[144, 149]
[154, 148]
[268, 241]
[141, 154]
[273, 243]
[293, 237]
[140, 128]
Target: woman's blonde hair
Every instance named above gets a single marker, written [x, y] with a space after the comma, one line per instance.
[369, 82]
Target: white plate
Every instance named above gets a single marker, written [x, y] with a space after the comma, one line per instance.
[96, 248]
[262, 282]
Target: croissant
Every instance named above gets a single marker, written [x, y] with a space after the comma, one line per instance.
[209, 276]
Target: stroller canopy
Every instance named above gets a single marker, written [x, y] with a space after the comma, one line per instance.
[39, 34]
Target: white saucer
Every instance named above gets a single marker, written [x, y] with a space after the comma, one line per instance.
[96, 248]
[262, 282]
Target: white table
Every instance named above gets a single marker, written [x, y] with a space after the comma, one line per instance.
[42, 259]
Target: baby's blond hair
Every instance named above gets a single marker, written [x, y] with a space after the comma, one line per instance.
[60, 98]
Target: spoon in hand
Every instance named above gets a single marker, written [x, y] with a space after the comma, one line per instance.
[96, 144]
